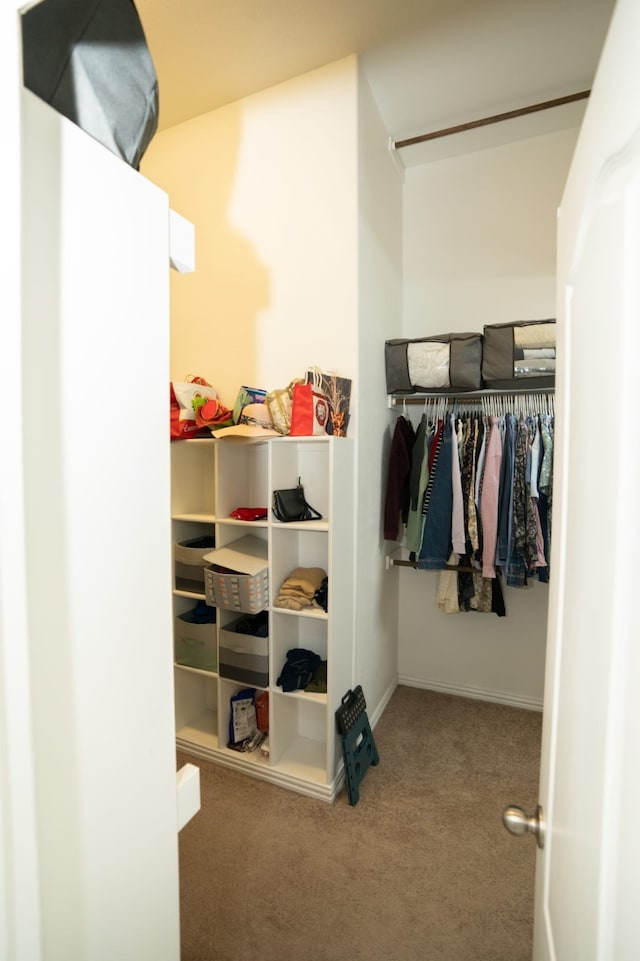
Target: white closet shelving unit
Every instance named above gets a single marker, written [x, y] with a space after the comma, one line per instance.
[210, 478]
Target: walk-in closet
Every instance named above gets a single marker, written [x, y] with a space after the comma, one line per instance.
[460, 243]
[326, 181]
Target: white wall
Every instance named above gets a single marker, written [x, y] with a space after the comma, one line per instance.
[297, 207]
[479, 248]
[379, 317]
[270, 183]
[479, 235]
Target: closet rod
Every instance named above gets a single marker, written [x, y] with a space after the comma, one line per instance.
[464, 396]
[447, 567]
[496, 118]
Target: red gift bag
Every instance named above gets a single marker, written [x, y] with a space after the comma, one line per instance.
[309, 411]
[182, 412]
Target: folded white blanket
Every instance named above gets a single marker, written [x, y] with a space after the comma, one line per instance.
[428, 364]
[535, 335]
[538, 352]
[530, 368]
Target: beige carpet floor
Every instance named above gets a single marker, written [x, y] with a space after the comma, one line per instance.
[421, 868]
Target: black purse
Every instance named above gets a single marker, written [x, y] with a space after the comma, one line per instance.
[290, 505]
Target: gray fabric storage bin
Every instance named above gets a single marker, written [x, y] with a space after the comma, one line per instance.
[244, 657]
[500, 355]
[463, 353]
[195, 644]
[189, 563]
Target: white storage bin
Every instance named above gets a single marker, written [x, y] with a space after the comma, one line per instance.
[238, 578]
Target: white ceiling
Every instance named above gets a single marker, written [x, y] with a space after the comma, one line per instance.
[430, 63]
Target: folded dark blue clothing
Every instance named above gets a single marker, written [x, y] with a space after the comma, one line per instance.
[299, 669]
[255, 624]
[200, 614]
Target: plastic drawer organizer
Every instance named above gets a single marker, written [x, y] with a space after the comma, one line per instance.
[239, 579]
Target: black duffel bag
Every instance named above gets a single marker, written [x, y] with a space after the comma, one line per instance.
[89, 60]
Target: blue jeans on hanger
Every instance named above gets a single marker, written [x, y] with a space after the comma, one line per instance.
[436, 539]
[506, 493]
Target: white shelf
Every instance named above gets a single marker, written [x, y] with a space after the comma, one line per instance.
[314, 613]
[195, 670]
[322, 525]
[195, 518]
[313, 697]
[196, 595]
[236, 522]
[248, 757]
[210, 478]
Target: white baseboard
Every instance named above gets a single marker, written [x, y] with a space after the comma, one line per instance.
[478, 694]
[384, 700]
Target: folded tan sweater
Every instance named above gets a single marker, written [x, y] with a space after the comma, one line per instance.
[535, 335]
[299, 588]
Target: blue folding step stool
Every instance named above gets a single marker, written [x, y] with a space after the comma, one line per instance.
[358, 746]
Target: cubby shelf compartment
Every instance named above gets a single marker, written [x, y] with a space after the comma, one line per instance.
[202, 733]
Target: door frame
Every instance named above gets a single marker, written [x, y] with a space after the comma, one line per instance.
[19, 874]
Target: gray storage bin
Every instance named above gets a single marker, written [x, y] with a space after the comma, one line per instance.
[502, 366]
[195, 644]
[458, 366]
[189, 563]
[244, 657]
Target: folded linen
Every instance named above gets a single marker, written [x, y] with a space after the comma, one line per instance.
[530, 368]
[535, 353]
[534, 335]
[428, 364]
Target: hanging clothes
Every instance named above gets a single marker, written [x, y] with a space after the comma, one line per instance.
[477, 496]
[523, 554]
[457, 513]
[396, 504]
[436, 537]
[505, 504]
[419, 479]
[489, 501]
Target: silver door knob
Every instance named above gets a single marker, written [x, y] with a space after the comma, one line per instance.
[518, 823]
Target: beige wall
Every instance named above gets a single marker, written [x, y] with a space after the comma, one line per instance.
[297, 208]
[270, 184]
[479, 248]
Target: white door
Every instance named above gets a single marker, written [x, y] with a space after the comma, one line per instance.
[88, 813]
[587, 886]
